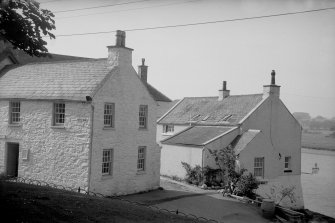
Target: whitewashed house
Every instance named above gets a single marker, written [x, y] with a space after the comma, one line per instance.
[265, 136]
[88, 123]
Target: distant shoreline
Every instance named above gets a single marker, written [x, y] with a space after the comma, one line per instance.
[318, 148]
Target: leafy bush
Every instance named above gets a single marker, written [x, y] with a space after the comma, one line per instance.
[245, 185]
[193, 175]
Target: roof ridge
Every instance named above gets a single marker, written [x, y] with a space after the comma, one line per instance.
[236, 95]
[66, 61]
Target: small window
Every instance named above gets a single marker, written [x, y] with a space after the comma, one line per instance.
[109, 114]
[15, 108]
[168, 128]
[259, 167]
[287, 165]
[59, 114]
[141, 158]
[143, 116]
[107, 162]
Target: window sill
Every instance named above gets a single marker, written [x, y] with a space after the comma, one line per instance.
[287, 171]
[106, 177]
[15, 125]
[143, 129]
[141, 172]
[57, 127]
[167, 133]
[108, 128]
[262, 180]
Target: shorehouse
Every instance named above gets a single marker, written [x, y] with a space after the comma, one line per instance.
[88, 123]
[263, 133]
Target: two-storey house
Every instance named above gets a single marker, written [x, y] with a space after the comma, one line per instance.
[88, 123]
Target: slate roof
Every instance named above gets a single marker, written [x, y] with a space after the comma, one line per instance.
[23, 58]
[197, 135]
[69, 80]
[210, 111]
[158, 96]
[242, 141]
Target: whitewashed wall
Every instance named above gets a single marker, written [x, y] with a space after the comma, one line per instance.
[172, 156]
[57, 155]
[127, 92]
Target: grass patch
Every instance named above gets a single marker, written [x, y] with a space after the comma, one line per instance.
[320, 139]
[29, 203]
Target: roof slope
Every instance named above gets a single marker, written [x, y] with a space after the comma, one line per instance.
[69, 80]
[197, 135]
[23, 58]
[210, 111]
[158, 96]
[244, 140]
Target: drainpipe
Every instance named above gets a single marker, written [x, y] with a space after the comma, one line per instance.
[202, 160]
[89, 99]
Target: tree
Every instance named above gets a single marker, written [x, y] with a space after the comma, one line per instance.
[23, 24]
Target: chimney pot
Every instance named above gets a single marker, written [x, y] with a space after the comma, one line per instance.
[271, 90]
[143, 71]
[224, 87]
[224, 92]
[120, 38]
[273, 77]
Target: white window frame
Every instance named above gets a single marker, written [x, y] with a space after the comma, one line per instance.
[168, 129]
[287, 163]
[143, 117]
[57, 114]
[109, 115]
[107, 162]
[259, 167]
[141, 158]
[15, 112]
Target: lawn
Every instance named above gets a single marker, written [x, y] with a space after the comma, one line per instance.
[28, 203]
[319, 139]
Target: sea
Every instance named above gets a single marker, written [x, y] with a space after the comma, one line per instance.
[318, 188]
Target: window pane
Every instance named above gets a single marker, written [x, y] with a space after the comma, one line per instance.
[14, 112]
[108, 115]
[143, 116]
[107, 159]
[141, 158]
[59, 113]
[259, 167]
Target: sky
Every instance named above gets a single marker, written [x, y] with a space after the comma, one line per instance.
[192, 61]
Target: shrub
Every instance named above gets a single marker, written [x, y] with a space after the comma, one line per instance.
[245, 185]
[193, 175]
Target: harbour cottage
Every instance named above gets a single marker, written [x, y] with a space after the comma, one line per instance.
[88, 123]
[266, 138]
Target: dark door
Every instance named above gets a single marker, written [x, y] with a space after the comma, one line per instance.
[12, 159]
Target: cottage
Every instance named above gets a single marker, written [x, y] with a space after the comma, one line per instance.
[88, 123]
[264, 135]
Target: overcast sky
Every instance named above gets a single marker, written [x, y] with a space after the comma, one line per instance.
[194, 60]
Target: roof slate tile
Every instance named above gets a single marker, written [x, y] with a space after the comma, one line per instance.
[211, 111]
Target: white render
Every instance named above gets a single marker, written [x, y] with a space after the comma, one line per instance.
[72, 155]
[56, 155]
[279, 136]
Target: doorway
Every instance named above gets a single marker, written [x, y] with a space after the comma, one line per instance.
[12, 164]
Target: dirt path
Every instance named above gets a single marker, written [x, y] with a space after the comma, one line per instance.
[199, 202]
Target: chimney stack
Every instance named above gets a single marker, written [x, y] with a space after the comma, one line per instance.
[223, 93]
[143, 71]
[272, 89]
[120, 38]
[119, 54]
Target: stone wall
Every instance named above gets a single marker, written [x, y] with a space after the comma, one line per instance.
[57, 155]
